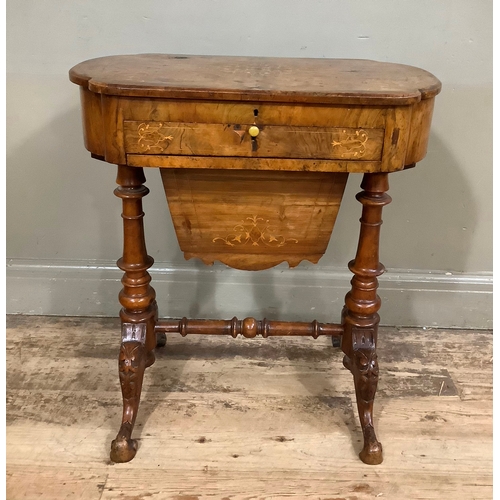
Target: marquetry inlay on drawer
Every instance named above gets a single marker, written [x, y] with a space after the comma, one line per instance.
[272, 141]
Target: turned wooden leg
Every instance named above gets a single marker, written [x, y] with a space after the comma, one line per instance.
[139, 310]
[360, 317]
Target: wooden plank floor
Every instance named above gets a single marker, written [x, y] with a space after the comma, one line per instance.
[246, 419]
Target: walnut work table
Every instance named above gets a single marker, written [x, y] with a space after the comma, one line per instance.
[254, 155]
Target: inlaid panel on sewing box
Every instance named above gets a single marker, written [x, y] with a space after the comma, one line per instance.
[253, 219]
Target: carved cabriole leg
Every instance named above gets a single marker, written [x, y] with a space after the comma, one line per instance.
[139, 311]
[360, 317]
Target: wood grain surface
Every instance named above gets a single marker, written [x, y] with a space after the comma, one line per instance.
[239, 419]
[253, 220]
[220, 139]
[243, 163]
[330, 112]
[262, 113]
[328, 81]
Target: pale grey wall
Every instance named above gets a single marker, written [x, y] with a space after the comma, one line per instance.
[60, 206]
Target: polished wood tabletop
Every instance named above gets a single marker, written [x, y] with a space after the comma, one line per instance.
[327, 81]
[254, 155]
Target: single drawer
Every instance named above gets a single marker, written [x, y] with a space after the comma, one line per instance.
[272, 141]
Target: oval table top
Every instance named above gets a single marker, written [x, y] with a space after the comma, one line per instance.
[269, 79]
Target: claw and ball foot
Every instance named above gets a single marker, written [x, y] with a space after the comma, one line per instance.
[336, 341]
[161, 339]
[123, 448]
[371, 453]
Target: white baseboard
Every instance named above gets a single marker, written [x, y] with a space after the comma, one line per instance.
[409, 298]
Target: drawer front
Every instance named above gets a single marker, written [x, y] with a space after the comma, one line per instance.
[273, 141]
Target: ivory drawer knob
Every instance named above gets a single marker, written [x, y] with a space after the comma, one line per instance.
[253, 131]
